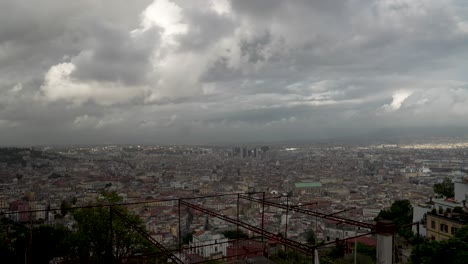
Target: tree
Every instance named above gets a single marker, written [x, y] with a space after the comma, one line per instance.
[338, 251]
[445, 188]
[187, 238]
[232, 234]
[366, 250]
[12, 241]
[64, 205]
[462, 234]
[401, 213]
[49, 242]
[20, 244]
[93, 236]
[88, 242]
[289, 256]
[432, 252]
[310, 237]
[453, 250]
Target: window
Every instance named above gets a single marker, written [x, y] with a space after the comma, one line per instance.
[444, 228]
[433, 224]
[216, 249]
[453, 230]
[432, 237]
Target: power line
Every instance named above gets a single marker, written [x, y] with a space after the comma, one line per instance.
[304, 248]
[117, 204]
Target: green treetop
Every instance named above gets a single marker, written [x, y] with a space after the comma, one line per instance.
[445, 188]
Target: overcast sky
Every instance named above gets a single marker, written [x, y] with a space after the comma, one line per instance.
[211, 71]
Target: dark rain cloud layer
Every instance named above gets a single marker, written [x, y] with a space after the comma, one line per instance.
[172, 71]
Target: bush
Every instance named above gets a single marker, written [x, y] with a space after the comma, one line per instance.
[458, 210]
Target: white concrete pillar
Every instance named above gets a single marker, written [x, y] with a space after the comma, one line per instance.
[385, 231]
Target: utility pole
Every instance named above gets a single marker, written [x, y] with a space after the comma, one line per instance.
[180, 231]
[237, 228]
[355, 245]
[287, 212]
[111, 240]
[263, 220]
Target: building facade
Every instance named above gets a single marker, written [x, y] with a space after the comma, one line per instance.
[442, 227]
[208, 245]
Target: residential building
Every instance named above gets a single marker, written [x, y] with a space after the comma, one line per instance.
[443, 226]
[209, 245]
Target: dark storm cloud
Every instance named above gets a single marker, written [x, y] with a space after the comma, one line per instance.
[252, 48]
[42, 32]
[115, 56]
[205, 71]
[207, 27]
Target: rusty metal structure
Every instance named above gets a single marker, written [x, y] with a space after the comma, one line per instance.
[257, 197]
[173, 255]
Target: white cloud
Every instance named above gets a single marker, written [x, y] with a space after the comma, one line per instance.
[17, 88]
[398, 98]
[59, 85]
[463, 26]
[221, 6]
[166, 15]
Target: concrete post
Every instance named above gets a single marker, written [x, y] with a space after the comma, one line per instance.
[385, 231]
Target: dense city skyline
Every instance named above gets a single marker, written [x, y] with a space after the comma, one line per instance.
[180, 190]
[192, 72]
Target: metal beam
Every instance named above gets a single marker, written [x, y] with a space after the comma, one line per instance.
[164, 250]
[288, 242]
[308, 212]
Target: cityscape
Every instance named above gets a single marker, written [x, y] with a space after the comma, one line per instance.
[355, 182]
[233, 131]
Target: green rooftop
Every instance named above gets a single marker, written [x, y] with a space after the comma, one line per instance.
[307, 184]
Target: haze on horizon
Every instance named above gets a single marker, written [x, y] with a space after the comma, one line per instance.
[208, 71]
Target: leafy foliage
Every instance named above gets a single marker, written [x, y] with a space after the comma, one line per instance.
[88, 242]
[338, 251]
[366, 250]
[453, 250]
[445, 188]
[232, 234]
[187, 238]
[310, 237]
[401, 213]
[365, 255]
[49, 242]
[93, 234]
[18, 243]
[290, 256]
